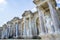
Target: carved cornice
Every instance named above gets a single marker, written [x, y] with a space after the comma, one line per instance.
[9, 22]
[36, 1]
[4, 26]
[16, 20]
[26, 13]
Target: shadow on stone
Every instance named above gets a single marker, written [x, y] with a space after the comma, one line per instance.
[36, 37]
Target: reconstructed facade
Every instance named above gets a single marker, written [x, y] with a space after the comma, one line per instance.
[27, 27]
[49, 17]
[43, 23]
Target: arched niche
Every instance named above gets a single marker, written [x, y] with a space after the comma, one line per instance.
[49, 27]
[37, 25]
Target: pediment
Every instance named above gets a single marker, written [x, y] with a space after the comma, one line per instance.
[16, 20]
[9, 22]
[44, 6]
[38, 1]
[26, 13]
[4, 26]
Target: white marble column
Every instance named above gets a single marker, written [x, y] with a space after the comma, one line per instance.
[9, 29]
[6, 34]
[30, 25]
[16, 30]
[21, 30]
[54, 16]
[2, 34]
[34, 27]
[24, 32]
[40, 13]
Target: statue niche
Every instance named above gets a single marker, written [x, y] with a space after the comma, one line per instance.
[49, 24]
[37, 26]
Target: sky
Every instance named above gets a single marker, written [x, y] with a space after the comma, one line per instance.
[14, 8]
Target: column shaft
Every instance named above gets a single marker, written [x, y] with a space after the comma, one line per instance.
[24, 33]
[54, 16]
[16, 30]
[3, 34]
[30, 25]
[40, 13]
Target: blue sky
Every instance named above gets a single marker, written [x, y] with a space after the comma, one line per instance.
[14, 8]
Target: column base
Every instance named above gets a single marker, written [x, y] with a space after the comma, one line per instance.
[50, 36]
[47, 36]
[27, 37]
[57, 35]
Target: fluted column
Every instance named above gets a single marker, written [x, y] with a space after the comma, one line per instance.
[6, 34]
[54, 16]
[21, 30]
[34, 27]
[33, 30]
[40, 13]
[30, 25]
[9, 29]
[3, 34]
[16, 30]
[24, 33]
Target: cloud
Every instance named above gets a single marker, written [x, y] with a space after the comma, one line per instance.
[2, 5]
[1, 9]
[3, 2]
[34, 9]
